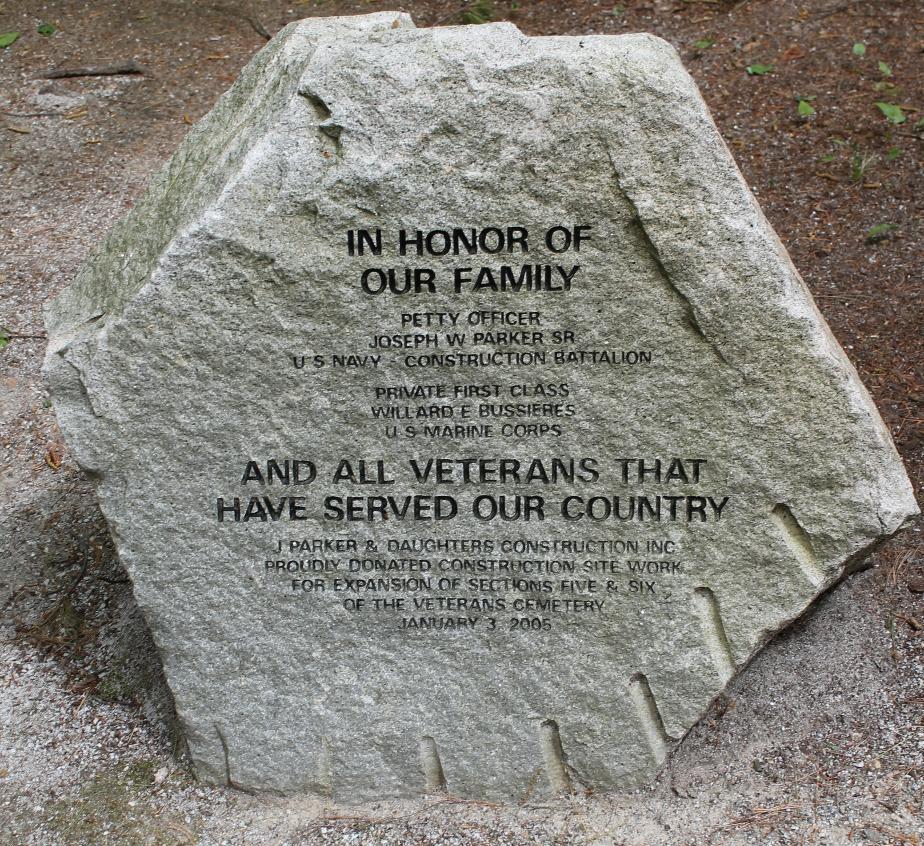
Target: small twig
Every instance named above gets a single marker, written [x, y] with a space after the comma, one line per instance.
[759, 817]
[841, 297]
[833, 10]
[258, 27]
[250, 18]
[363, 823]
[122, 68]
[109, 581]
[55, 609]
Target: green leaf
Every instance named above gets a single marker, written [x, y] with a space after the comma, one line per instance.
[758, 70]
[805, 108]
[827, 158]
[884, 69]
[4, 339]
[46, 29]
[703, 43]
[919, 124]
[7, 38]
[893, 113]
[893, 153]
[859, 49]
[879, 231]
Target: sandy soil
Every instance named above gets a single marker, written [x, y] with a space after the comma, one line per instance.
[820, 740]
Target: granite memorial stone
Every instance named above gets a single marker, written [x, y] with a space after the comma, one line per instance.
[459, 418]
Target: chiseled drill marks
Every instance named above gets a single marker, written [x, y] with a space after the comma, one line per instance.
[431, 765]
[710, 619]
[554, 756]
[324, 772]
[650, 717]
[227, 757]
[799, 542]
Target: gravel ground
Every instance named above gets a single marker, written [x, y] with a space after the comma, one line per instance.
[820, 740]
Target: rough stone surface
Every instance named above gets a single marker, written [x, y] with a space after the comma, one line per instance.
[171, 365]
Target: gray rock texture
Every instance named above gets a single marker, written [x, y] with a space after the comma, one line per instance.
[171, 363]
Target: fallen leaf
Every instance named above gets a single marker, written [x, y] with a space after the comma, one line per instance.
[794, 52]
[53, 458]
[7, 38]
[893, 113]
[758, 70]
[879, 231]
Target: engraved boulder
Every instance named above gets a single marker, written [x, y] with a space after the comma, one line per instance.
[459, 418]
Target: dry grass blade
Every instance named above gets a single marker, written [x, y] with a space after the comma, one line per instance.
[760, 817]
[896, 837]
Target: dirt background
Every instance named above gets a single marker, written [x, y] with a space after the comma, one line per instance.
[820, 740]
